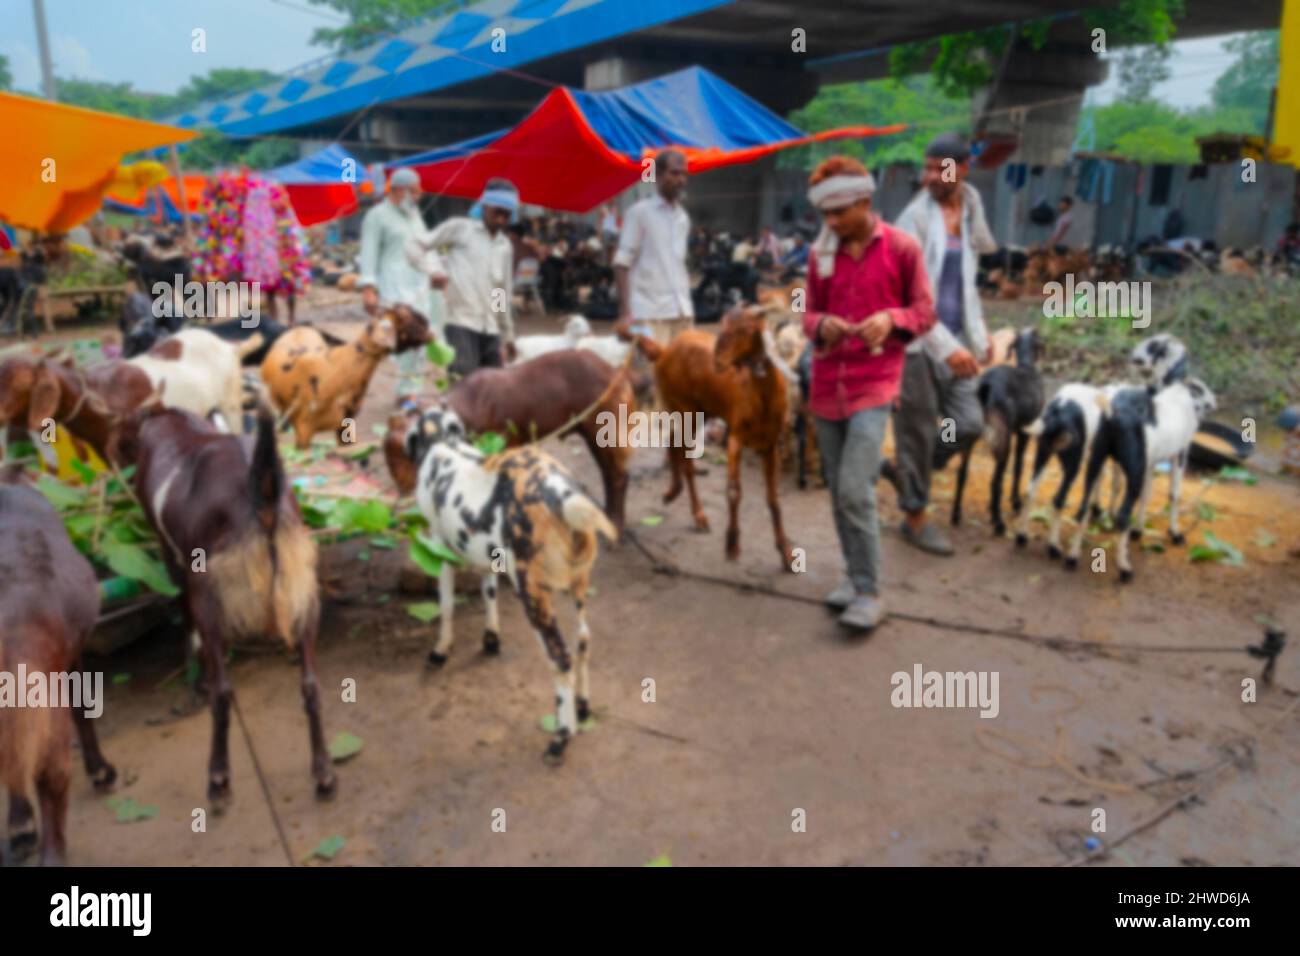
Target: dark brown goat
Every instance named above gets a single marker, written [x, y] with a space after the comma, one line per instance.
[258, 571]
[49, 603]
[532, 399]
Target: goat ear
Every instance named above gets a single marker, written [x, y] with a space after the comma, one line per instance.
[44, 402]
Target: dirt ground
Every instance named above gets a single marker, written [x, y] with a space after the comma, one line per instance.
[763, 706]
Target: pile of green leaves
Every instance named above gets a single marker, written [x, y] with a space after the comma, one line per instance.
[106, 525]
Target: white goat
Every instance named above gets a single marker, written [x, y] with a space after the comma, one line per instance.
[530, 346]
[198, 372]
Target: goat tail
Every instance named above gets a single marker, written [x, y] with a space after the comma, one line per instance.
[266, 473]
[249, 346]
[583, 514]
[649, 347]
[1034, 428]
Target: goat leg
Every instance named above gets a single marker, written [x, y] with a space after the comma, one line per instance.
[579, 589]
[1096, 459]
[995, 491]
[674, 456]
[22, 828]
[102, 773]
[220, 694]
[53, 786]
[541, 614]
[688, 468]
[1042, 454]
[734, 449]
[321, 765]
[1177, 467]
[772, 476]
[492, 629]
[1131, 492]
[1022, 442]
[446, 600]
[962, 468]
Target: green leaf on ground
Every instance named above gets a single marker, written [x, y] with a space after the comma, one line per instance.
[1215, 549]
[1264, 539]
[422, 554]
[663, 860]
[651, 521]
[121, 679]
[345, 746]
[548, 723]
[129, 810]
[60, 495]
[1244, 475]
[424, 611]
[328, 848]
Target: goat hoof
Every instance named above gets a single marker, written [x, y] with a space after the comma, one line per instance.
[956, 520]
[554, 755]
[327, 787]
[1178, 539]
[1053, 552]
[491, 643]
[219, 793]
[999, 529]
[1071, 563]
[1022, 540]
[1135, 534]
[584, 710]
[1125, 575]
[23, 843]
[1015, 506]
[436, 660]
[702, 524]
[103, 777]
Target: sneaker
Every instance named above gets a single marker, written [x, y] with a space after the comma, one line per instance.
[842, 596]
[929, 539]
[864, 613]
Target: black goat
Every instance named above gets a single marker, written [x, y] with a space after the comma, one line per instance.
[1012, 398]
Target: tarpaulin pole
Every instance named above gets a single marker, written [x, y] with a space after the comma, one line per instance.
[180, 191]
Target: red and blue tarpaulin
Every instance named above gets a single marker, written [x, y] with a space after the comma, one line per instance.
[578, 149]
[322, 186]
[161, 203]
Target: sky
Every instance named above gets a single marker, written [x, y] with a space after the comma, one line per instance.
[148, 43]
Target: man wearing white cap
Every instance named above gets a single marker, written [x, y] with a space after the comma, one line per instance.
[389, 276]
[477, 259]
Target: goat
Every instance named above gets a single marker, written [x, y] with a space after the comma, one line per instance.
[49, 605]
[1012, 399]
[526, 401]
[205, 499]
[1066, 430]
[1138, 430]
[530, 346]
[318, 386]
[519, 513]
[1159, 360]
[196, 372]
[732, 377]
[609, 347]
[89, 403]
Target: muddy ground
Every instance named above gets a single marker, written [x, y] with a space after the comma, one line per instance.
[763, 706]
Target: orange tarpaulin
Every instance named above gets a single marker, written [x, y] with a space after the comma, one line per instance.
[58, 160]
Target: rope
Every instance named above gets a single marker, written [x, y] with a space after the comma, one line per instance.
[261, 778]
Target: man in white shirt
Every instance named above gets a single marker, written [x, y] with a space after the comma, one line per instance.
[390, 277]
[654, 289]
[477, 259]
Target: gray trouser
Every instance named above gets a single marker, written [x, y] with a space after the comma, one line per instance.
[850, 450]
[938, 416]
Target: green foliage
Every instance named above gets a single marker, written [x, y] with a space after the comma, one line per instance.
[6, 78]
[373, 18]
[962, 63]
[1245, 86]
[913, 100]
[1152, 132]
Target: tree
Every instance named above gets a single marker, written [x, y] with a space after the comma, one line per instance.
[373, 18]
[6, 78]
[915, 100]
[1141, 70]
[963, 63]
[1248, 82]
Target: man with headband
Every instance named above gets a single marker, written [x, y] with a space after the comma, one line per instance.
[388, 276]
[941, 377]
[478, 261]
[868, 297]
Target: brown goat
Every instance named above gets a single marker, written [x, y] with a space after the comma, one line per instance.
[534, 398]
[319, 386]
[258, 577]
[89, 403]
[731, 377]
[49, 604]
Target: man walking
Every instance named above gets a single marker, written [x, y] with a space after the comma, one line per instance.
[388, 275]
[868, 297]
[940, 378]
[650, 265]
[477, 260]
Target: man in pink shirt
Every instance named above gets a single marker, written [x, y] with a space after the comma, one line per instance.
[868, 296]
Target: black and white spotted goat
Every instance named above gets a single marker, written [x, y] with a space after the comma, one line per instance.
[521, 514]
[1069, 425]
